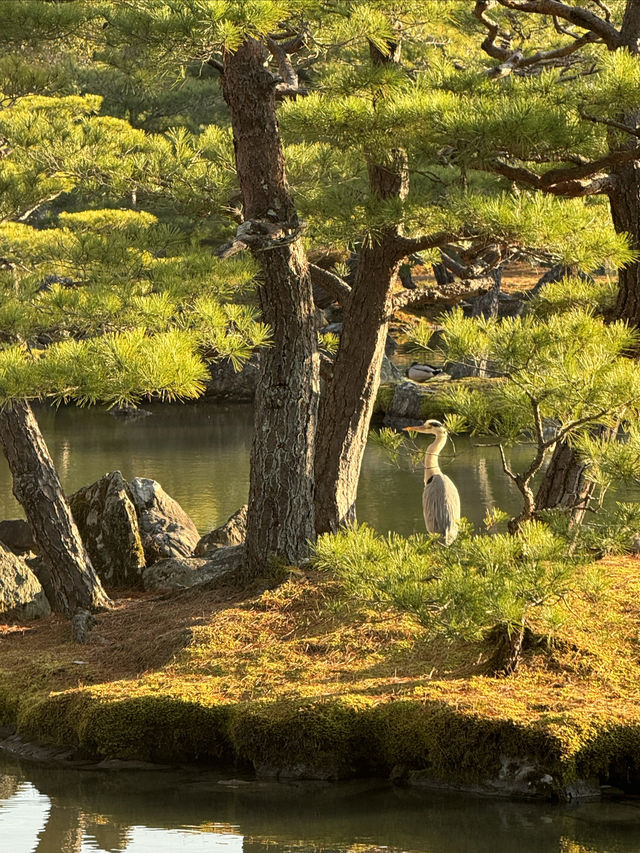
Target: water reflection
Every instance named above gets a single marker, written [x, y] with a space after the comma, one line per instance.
[69, 811]
[200, 454]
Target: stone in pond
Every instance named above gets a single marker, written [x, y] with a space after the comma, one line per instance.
[165, 528]
[108, 524]
[21, 595]
[232, 532]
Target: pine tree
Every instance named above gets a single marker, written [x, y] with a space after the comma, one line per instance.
[555, 379]
[109, 305]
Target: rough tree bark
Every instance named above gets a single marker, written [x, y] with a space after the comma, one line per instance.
[347, 403]
[280, 519]
[565, 485]
[67, 576]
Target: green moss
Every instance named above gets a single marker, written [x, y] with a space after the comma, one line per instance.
[384, 398]
[456, 745]
[330, 738]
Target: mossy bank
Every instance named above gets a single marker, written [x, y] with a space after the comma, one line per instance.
[297, 682]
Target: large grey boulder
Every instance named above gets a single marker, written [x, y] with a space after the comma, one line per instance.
[232, 532]
[165, 528]
[16, 534]
[226, 383]
[20, 592]
[184, 572]
[108, 524]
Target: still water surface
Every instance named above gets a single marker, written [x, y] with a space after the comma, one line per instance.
[200, 455]
[45, 810]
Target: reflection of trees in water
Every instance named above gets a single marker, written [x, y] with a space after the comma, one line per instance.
[8, 786]
[335, 818]
[63, 830]
[68, 826]
[486, 498]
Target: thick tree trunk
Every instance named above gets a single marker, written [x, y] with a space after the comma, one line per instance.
[347, 404]
[624, 199]
[564, 484]
[67, 577]
[625, 212]
[280, 517]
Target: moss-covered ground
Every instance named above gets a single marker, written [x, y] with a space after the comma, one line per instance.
[299, 679]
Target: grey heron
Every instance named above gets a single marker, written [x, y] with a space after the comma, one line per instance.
[440, 498]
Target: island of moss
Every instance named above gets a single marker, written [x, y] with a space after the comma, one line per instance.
[297, 681]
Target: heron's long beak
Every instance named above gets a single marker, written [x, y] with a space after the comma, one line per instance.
[419, 428]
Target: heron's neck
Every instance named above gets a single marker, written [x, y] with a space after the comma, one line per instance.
[431, 465]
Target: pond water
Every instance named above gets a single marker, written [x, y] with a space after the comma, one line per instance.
[200, 455]
[44, 810]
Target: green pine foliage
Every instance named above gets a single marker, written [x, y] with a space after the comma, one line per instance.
[463, 591]
[555, 379]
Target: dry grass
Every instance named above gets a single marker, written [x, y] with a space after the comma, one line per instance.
[303, 640]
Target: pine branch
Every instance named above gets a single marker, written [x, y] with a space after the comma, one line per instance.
[445, 294]
[331, 283]
[570, 182]
[576, 15]
[609, 122]
[489, 44]
[289, 85]
[405, 246]
[518, 60]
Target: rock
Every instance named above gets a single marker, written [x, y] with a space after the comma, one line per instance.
[17, 536]
[20, 592]
[165, 528]
[388, 371]
[518, 777]
[182, 572]
[458, 370]
[129, 413]
[227, 383]
[108, 523]
[406, 404]
[232, 532]
[82, 622]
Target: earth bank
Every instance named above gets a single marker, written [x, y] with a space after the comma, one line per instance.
[298, 683]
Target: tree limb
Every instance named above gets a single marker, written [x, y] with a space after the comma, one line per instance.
[494, 32]
[289, 85]
[445, 294]
[564, 182]
[405, 246]
[333, 284]
[576, 15]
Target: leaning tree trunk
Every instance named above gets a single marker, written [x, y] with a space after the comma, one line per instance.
[624, 200]
[347, 403]
[67, 576]
[280, 517]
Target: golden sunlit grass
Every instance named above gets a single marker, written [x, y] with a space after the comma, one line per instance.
[246, 669]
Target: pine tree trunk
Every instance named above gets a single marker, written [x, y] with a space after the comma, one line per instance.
[624, 199]
[347, 404]
[564, 484]
[625, 212]
[68, 578]
[280, 517]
